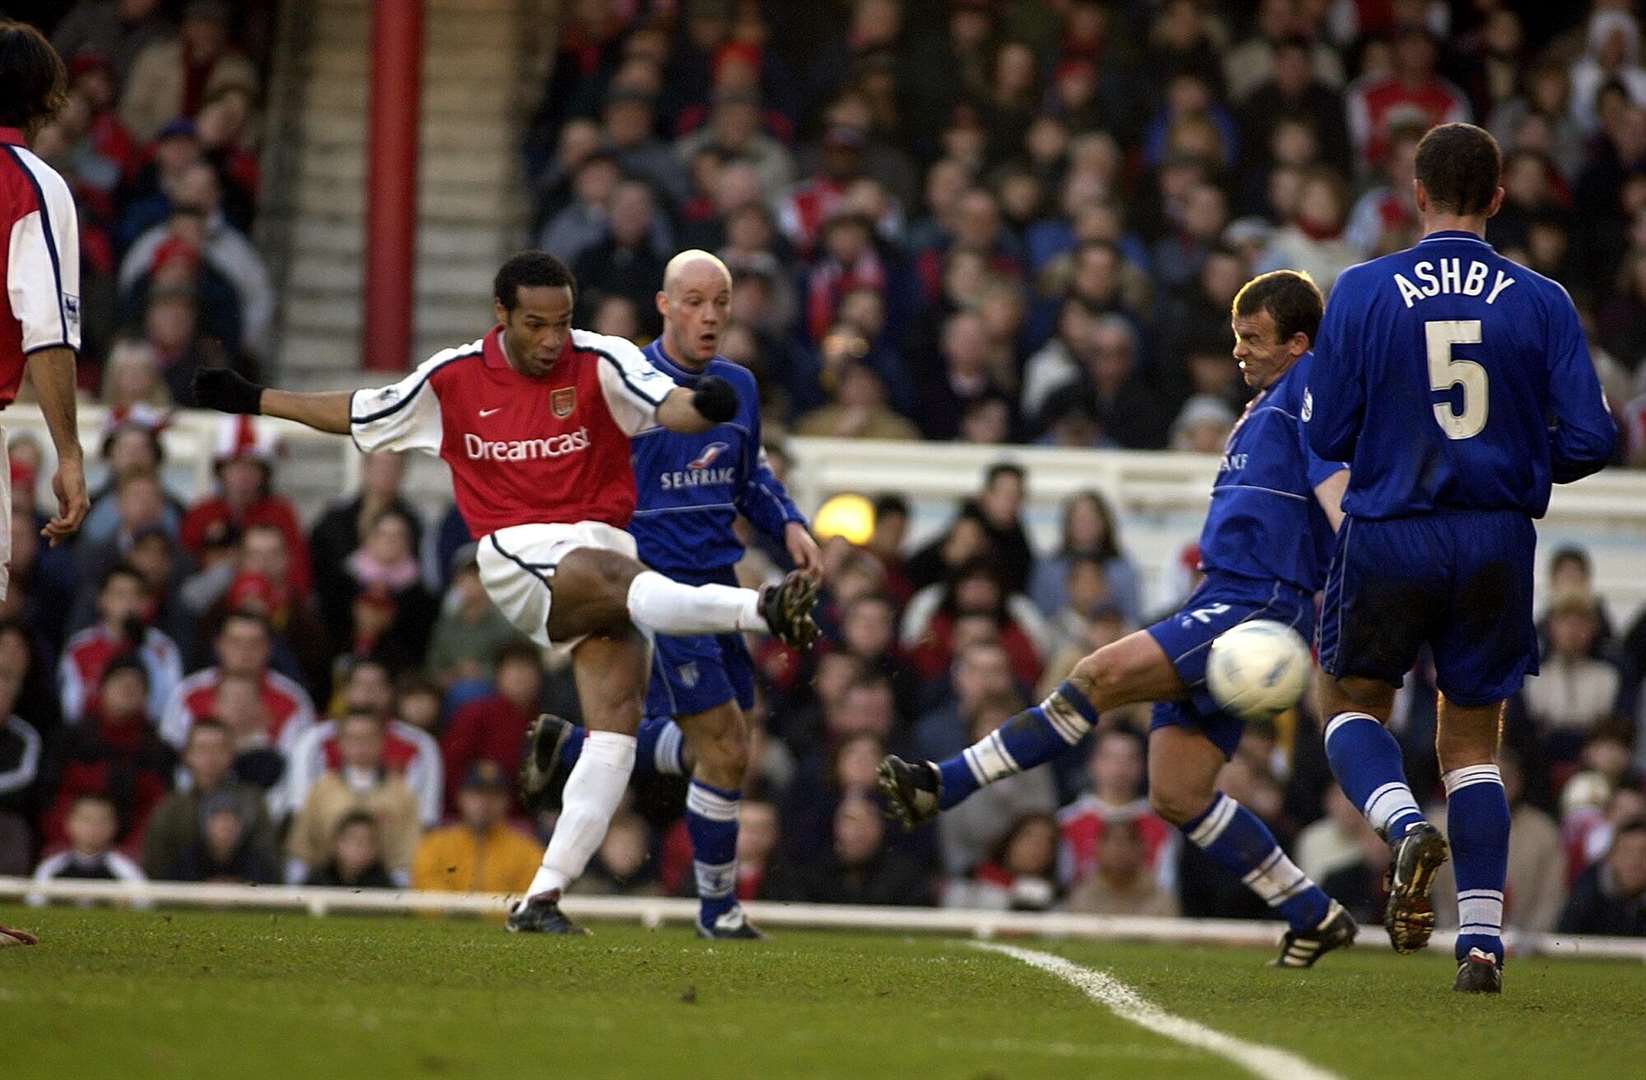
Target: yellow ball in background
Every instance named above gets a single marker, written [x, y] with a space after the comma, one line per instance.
[848, 516]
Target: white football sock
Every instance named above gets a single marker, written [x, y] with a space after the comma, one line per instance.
[593, 790]
[662, 606]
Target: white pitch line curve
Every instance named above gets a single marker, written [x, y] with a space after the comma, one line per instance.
[1268, 1062]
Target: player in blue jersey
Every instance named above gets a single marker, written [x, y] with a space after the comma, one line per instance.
[691, 490]
[1263, 548]
[1457, 384]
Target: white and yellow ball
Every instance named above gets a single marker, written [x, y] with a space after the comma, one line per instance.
[1258, 669]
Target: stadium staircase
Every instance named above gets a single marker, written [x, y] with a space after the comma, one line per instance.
[482, 71]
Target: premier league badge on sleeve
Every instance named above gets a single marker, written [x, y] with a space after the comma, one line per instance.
[563, 401]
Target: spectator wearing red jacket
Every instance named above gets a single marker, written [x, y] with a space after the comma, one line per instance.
[245, 453]
[243, 646]
[1116, 798]
[125, 603]
[114, 752]
[1412, 92]
[974, 606]
[408, 750]
[815, 200]
[493, 728]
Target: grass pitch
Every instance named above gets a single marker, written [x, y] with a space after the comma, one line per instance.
[131, 995]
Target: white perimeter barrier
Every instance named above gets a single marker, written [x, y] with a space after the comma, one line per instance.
[657, 911]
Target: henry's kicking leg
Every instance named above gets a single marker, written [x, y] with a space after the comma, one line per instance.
[595, 590]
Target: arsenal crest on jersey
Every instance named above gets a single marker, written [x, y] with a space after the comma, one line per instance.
[563, 401]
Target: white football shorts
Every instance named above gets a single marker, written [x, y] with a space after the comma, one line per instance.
[517, 564]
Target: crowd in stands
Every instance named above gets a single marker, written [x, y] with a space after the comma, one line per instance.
[1014, 221]
[159, 142]
[984, 221]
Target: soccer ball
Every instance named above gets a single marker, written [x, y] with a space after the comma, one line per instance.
[1257, 669]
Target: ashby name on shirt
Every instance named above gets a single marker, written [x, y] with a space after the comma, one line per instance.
[1452, 278]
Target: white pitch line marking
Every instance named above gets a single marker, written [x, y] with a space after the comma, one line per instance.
[1268, 1062]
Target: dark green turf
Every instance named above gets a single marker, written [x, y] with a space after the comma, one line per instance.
[133, 995]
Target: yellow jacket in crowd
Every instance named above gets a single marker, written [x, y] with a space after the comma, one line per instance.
[458, 859]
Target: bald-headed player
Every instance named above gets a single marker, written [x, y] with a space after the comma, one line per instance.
[691, 489]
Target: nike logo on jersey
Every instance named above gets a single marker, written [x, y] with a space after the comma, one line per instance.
[487, 412]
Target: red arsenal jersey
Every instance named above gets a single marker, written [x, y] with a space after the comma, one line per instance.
[287, 705]
[521, 450]
[1375, 106]
[1083, 823]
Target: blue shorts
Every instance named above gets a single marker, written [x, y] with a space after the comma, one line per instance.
[1459, 582]
[695, 674]
[1187, 636]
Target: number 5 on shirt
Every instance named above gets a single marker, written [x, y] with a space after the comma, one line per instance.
[1446, 371]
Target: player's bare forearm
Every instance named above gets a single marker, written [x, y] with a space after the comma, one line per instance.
[52, 372]
[327, 411]
[229, 391]
[803, 549]
[1330, 494]
[678, 413]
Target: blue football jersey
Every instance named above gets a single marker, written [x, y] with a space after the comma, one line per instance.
[1451, 378]
[692, 487]
[1264, 521]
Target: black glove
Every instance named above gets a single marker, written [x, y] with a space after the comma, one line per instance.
[227, 391]
[715, 399]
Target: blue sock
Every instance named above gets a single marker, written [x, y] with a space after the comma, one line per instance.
[572, 748]
[659, 748]
[659, 745]
[1367, 763]
[1477, 824]
[711, 822]
[1239, 842]
[1032, 737]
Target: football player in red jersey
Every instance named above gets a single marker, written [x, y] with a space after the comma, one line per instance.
[535, 420]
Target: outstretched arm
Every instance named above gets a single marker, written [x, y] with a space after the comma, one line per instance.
[403, 416]
[323, 412]
[227, 391]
